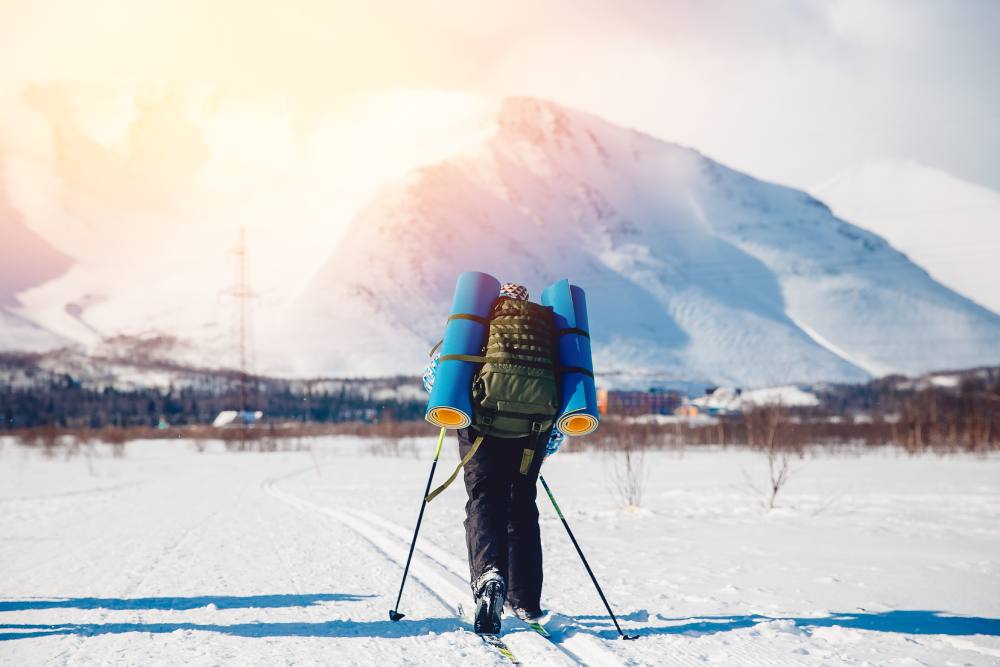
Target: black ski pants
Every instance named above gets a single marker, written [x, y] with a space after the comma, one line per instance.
[501, 519]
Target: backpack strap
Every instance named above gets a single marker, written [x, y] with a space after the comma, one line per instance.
[476, 359]
[528, 455]
[487, 422]
[467, 316]
[499, 359]
[574, 369]
[573, 330]
[459, 316]
[472, 452]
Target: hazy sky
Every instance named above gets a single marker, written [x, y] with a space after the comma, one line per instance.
[792, 91]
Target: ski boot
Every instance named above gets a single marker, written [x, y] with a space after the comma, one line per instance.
[489, 604]
[527, 615]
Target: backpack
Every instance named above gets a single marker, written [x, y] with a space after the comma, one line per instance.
[514, 392]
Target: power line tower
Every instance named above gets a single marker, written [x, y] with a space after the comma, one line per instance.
[243, 298]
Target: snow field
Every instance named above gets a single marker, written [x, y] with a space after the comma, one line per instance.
[172, 556]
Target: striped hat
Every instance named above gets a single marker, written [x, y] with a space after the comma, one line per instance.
[514, 291]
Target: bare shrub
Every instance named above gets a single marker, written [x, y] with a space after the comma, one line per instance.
[395, 447]
[384, 447]
[766, 428]
[629, 476]
[83, 441]
[49, 438]
[117, 438]
[777, 464]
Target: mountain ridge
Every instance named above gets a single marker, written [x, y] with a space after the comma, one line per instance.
[695, 272]
[703, 271]
[906, 203]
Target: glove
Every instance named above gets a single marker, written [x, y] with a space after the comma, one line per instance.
[430, 373]
[555, 442]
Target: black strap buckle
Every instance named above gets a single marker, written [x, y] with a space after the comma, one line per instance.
[536, 427]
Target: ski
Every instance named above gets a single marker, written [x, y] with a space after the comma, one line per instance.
[537, 625]
[499, 645]
[539, 628]
[493, 641]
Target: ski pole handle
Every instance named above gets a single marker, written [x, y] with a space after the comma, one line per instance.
[437, 451]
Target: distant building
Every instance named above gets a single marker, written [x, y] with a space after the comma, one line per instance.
[687, 410]
[634, 403]
[237, 418]
[720, 401]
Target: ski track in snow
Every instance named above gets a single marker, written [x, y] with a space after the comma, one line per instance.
[586, 647]
[526, 645]
[137, 584]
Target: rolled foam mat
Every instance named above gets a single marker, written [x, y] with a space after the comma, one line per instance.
[450, 402]
[577, 393]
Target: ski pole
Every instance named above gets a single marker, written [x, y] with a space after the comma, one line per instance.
[393, 613]
[607, 606]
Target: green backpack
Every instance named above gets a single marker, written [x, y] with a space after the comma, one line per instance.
[514, 392]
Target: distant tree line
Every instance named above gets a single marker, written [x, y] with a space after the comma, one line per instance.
[945, 413]
[913, 414]
[66, 402]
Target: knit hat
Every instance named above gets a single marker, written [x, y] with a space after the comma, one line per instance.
[514, 291]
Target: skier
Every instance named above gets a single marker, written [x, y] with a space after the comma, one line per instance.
[502, 453]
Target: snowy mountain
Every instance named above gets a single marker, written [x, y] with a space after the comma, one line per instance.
[946, 225]
[26, 260]
[693, 270]
[147, 188]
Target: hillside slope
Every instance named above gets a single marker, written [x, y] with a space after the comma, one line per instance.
[693, 270]
[948, 226]
[26, 260]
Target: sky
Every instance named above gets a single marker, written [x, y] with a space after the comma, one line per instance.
[789, 90]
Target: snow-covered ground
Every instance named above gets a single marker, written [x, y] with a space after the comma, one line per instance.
[173, 556]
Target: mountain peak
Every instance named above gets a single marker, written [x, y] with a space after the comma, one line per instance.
[536, 120]
[693, 271]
